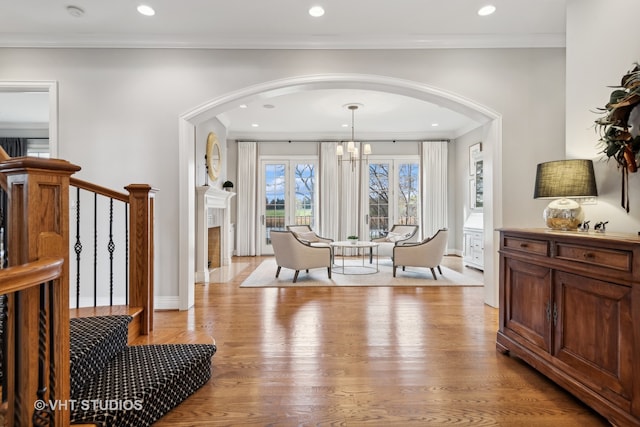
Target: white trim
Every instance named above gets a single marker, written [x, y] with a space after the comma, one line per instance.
[219, 201]
[50, 86]
[186, 214]
[492, 209]
[189, 120]
[269, 41]
[166, 303]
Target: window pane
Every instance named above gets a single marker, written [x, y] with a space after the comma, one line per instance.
[408, 193]
[378, 199]
[305, 194]
[274, 198]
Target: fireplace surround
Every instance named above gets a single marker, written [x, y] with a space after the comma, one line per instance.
[212, 210]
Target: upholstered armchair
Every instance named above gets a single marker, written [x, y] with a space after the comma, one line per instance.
[427, 253]
[293, 254]
[308, 236]
[399, 234]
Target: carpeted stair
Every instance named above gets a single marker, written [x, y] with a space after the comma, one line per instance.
[118, 385]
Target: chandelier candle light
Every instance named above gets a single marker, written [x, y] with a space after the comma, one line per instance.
[352, 150]
[564, 180]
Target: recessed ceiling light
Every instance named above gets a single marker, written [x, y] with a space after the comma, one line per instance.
[75, 11]
[486, 10]
[316, 11]
[146, 10]
[434, 125]
[345, 125]
[254, 125]
[243, 105]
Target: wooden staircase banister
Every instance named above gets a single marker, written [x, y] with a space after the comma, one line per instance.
[103, 191]
[3, 178]
[21, 277]
[35, 284]
[140, 198]
[37, 229]
[37, 281]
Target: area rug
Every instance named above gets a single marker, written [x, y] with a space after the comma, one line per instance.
[264, 277]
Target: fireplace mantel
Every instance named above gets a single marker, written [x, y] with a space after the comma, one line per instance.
[219, 201]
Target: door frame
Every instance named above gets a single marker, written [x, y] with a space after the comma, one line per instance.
[393, 183]
[50, 86]
[290, 196]
[491, 136]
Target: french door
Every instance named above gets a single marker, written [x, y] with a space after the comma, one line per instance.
[394, 194]
[288, 196]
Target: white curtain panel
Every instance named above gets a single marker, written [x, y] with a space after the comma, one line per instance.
[434, 161]
[329, 199]
[246, 227]
[349, 195]
[363, 205]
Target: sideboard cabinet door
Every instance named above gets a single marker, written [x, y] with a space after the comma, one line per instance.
[592, 334]
[527, 303]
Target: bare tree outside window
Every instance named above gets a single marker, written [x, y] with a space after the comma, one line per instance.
[408, 180]
[378, 199]
[305, 194]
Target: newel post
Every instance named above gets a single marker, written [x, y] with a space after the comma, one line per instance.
[141, 206]
[38, 227]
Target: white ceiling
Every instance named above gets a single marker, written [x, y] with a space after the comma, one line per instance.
[285, 24]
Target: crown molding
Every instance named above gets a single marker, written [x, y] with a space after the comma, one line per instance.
[418, 41]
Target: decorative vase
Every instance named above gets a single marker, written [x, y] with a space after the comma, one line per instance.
[353, 241]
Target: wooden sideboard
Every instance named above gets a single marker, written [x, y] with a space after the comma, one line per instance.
[570, 308]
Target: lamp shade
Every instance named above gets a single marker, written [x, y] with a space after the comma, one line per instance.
[565, 178]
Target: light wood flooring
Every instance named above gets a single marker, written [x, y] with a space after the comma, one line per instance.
[359, 356]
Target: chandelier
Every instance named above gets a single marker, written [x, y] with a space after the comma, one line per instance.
[353, 155]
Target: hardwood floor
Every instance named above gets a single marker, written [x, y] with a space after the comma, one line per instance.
[357, 356]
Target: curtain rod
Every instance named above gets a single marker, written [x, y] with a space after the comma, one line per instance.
[342, 140]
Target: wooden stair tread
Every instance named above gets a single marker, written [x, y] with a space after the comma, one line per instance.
[105, 311]
[113, 310]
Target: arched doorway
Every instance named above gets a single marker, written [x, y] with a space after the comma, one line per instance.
[492, 137]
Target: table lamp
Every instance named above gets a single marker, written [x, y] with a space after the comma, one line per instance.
[563, 180]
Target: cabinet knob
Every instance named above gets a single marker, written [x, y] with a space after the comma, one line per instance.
[588, 255]
[524, 245]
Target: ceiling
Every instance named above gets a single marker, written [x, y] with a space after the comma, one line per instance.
[285, 24]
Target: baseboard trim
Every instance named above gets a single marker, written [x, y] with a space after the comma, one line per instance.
[166, 303]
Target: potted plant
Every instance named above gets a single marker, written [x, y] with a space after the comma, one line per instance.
[353, 239]
[618, 128]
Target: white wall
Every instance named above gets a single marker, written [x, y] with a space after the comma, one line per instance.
[462, 176]
[603, 43]
[202, 133]
[119, 108]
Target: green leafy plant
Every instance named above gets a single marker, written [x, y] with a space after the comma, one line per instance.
[352, 237]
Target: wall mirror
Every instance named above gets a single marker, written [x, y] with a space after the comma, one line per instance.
[213, 156]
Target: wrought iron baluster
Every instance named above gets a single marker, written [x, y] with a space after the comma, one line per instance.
[4, 310]
[126, 251]
[42, 414]
[77, 247]
[111, 247]
[52, 343]
[95, 249]
[17, 332]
